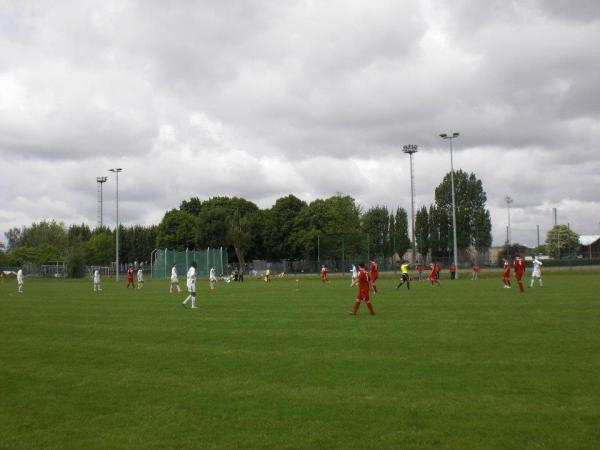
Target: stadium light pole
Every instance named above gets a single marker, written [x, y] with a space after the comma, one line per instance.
[100, 181]
[508, 201]
[451, 138]
[411, 149]
[116, 171]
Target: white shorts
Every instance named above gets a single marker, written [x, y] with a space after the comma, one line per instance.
[536, 274]
[191, 287]
[174, 280]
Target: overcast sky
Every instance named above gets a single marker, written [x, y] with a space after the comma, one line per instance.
[264, 98]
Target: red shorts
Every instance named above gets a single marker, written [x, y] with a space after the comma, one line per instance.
[363, 295]
[519, 275]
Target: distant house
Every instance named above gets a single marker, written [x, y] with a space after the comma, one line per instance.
[590, 245]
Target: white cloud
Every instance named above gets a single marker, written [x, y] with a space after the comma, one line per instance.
[262, 98]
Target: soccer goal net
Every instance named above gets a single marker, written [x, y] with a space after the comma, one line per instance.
[163, 259]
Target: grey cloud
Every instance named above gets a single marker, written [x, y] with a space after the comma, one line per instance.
[264, 98]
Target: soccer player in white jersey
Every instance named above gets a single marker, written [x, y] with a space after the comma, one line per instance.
[174, 279]
[140, 277]
[20, 280]
[213, 278]
[97, 286]
[354, 274]
[191, 285]
[537, 271]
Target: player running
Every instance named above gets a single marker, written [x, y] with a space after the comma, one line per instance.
[537, 271]
[519, 266]
[506, 274]
[453, 271]
[374, 274]
[420, 269]
[324, 274]
[364, 286]
[20, 280]
[354, 274]
[475, 270]
[404, 278]
[97, 287]
[130, 277]
[174, 279]
[140, 278]
[191, 285]
[212, 278]
[433, 275]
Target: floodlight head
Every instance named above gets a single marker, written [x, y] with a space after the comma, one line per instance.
[443, 135]
[410, 148]
[455, 134]
[101, 179]
[115, 170]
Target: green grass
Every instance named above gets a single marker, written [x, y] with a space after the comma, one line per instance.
[464, 365]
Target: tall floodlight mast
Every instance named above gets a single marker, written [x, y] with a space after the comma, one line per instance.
[451, 138]
[411, 149]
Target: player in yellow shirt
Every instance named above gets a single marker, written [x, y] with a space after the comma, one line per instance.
[404, 275]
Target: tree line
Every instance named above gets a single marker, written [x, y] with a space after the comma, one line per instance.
[290, 229]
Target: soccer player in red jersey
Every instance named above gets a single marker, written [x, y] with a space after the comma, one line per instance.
[130, 277]
[324, 274]
[506, 274]
[420, 269]
[374, 274]
[433, 275]
[453, 271]
[364, 286]
[519, 266]
[475, 269]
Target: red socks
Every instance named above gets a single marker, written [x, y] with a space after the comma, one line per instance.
[371, 308]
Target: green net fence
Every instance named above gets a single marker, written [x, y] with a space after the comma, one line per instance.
[163, 260]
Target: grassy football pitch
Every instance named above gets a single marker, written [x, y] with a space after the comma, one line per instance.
[282, 365]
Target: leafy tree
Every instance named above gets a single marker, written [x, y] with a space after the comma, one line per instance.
[439, 231]
[482, 229]
[212, 230]
[337, 215]
[13, 237]
[375, 223]
[41, 254]
[2, 254]
[51, 233]
[192, 206]
[562, 242]
[512, 251]
[232, 222]
[75, 261]
[422, 231]
[137, 242]
[399, 234]
[99, 250]
[279, 225]
[78, 233]
[473, 224]
[176, 231]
